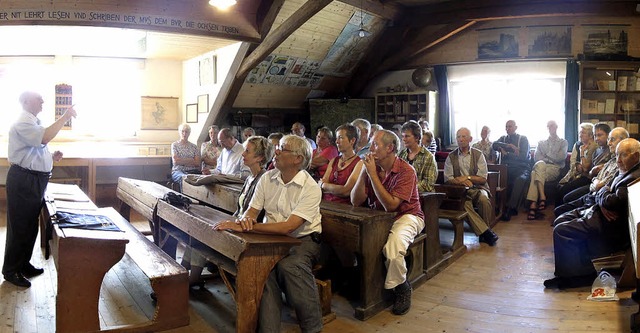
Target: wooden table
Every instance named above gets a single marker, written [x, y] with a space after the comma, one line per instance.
[221, 196]
[634, 234]
[250, 257]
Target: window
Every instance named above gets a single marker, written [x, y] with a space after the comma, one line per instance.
[531, 93]
[106, 94]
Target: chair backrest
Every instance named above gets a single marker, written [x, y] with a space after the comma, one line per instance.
[455, 196]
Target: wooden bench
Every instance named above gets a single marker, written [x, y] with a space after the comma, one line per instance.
[83, 257]
[634, 234]
[249, 257]
[452, 210]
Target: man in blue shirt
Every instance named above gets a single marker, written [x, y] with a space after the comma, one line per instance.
[27, 179]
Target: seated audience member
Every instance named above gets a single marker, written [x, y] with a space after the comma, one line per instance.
[418, 156]
[325, 152]
[230, 159]
[374, 128]
[602, 178]
[257, 151]
[594, 231]
[388, 183]
[600, 157]
[185, 156]
[210, 151]
[550, 157]
[397, 130]
[291, 200]
[485, 146]
[364, 127]
[467, 166]
[275, 140]
[514, 153]
[581, 162]
[427, 139]
[343, 170]
[298, 129]
[433, 146]
[247, 133]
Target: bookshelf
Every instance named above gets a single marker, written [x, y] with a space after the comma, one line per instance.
[610, 93]
[400, 107]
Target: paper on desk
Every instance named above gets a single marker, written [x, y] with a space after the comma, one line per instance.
[75, 205]
[68, 197]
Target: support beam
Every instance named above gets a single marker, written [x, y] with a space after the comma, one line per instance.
[266, 16]
[280, 34]
[420, 45]
[387, 11]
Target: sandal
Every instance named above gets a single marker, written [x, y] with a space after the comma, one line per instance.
[542, 204]
[532, 214]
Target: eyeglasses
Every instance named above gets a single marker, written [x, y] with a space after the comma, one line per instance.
[280, 148]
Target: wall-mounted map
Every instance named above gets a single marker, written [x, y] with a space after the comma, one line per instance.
[159, 113]
[290, 71]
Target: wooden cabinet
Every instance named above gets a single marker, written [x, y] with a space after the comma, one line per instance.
[399, 107]
[610, 93]
[64, 100]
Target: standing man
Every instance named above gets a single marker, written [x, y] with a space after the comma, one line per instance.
[514, 152]
[27, 179]
[230, 159]
[298, 129]
[291, 200]
[362, 145]
[389, 183]
[467, 166]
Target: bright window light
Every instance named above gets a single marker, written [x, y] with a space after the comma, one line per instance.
[492, 97]
[222, 4]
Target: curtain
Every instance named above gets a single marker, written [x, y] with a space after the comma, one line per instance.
[572, 83]
[444, 115]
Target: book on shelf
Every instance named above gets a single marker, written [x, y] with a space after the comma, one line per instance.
[589, 106]
[622, 83]
[632, 128]
[601, 106]
[610, 123]
[620, 123]
[631, 83]
[610, 106]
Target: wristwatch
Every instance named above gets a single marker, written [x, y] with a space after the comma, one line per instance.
[468, 177]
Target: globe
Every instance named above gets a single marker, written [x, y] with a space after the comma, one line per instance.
[422, 77]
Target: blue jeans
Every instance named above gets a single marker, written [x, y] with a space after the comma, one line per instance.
[293, 276]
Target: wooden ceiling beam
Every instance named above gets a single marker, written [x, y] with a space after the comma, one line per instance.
[273, 40]
[421, 43]
[497, 10]
[387, 11]
[267, 13]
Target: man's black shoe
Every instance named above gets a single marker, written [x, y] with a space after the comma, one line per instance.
[570, 282]
[18, 280]
[402, 303]
[30, 271]
[553, 283]
[506, 216]
[489, 237]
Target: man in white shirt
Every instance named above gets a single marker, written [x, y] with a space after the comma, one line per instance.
[230, 159]
[298, 129]
[291, 200]
[27, 179]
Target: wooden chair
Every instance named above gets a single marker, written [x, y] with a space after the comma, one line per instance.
[500, 200]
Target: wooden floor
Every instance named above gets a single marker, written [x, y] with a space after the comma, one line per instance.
[490, 289]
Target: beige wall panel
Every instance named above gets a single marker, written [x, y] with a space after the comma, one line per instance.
[464, 46]
[270, 96]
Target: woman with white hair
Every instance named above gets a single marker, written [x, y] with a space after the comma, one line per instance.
[581, 158]
[185, 156]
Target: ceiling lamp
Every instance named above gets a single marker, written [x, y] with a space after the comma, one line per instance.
[222, 4]
[362, 32]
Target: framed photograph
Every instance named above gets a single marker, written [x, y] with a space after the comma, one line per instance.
[159, 113]
[192, 113]
[203, 103]
[549, 41]
[208, 71]
[498, 43]
[605, 42]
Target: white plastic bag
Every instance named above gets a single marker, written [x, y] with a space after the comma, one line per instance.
[603, 288]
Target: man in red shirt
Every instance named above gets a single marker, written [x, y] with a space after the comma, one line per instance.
[388, 183]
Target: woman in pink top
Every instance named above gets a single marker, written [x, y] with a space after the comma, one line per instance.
[325, 152]
[342, 171]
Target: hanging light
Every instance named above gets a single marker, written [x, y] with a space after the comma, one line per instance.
[222, 4]
[362, 32]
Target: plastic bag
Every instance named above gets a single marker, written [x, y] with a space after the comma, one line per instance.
[603, 288]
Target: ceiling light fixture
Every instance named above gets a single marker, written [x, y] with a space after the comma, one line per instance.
[362, 32]
[222, 4]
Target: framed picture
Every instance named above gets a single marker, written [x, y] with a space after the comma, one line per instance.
[208, 71]
[605, 42]
[192, 113]
[496, 43]
[159, 113]
[549, 41]
[203, 103]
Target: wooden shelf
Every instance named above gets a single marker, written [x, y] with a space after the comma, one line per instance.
[400, 107]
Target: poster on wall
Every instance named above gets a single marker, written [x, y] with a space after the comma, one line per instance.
[497, 43]
[549, 41]
[287, 70]
[278, 69]
[159, 113]
[605, 41]
[207, 71]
